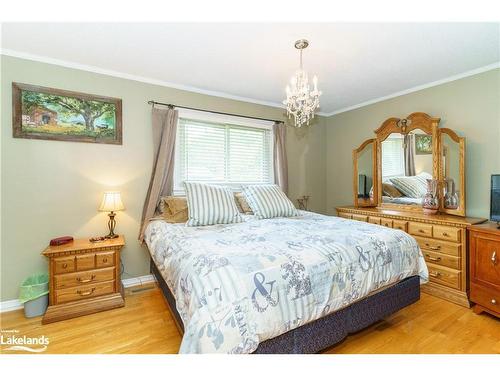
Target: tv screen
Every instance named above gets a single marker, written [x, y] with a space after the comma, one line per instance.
[495, 198]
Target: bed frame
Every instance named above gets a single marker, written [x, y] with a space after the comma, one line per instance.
[329, 330]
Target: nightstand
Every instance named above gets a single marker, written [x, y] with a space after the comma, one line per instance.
[484, 245]
[84, 278]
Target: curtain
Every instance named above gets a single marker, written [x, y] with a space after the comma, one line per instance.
[279, 155]
[409, 154]
[164, 123]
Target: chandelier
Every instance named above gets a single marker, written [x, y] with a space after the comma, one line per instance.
[301, 101]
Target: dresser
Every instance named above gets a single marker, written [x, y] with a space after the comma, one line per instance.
[442, 238]
[84, 278]
[484, 265]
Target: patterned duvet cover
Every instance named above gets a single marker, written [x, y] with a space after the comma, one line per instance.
[240, 284]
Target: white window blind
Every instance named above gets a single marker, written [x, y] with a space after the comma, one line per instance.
[222, 153]
[393, 163]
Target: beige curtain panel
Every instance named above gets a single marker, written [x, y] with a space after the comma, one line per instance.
[280, 161]
[164, 123]
[409, 154]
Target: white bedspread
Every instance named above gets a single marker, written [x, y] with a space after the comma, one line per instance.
[240, 284]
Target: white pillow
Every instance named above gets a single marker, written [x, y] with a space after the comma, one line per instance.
[412, 186]
[210, 204]
[268, 201]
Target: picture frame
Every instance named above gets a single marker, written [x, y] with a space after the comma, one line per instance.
[423, 144]
[59, 115]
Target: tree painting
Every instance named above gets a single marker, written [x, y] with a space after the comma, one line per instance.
[63, 115]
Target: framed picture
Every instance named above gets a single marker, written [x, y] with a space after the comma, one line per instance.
[59, 115]
[423, 144]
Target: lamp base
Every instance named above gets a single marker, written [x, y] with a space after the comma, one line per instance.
[109, 236]
[111, 226]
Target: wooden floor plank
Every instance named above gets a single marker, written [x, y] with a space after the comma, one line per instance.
[145, 325]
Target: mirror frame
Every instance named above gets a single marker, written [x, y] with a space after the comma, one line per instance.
[418, 120]
[461, 183]
[355, 179]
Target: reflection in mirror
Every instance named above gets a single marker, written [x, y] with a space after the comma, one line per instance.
[407, 164]
[365, 175]
[450, 163]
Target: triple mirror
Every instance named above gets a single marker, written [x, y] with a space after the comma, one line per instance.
[412, 164]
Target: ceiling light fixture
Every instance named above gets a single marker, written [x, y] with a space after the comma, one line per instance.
[301, 102]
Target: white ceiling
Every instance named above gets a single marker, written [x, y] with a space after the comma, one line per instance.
[355, 63]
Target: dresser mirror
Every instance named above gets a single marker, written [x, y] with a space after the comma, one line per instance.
[451, 172]
[364, 180]
[418, 167]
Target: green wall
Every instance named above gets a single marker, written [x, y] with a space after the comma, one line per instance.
[50, 189]
[470, 106]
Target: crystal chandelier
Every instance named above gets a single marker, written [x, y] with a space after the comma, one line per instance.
[301, 101]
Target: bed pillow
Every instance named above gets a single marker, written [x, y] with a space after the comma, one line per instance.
[210, 204]
[390, 190]
[174, 209]
[243, 204]
[268, 201]
[411, 186]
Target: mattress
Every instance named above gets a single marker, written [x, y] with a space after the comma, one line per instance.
[239, 285]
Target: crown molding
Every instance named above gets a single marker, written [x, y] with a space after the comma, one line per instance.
[417, 88]
[132, 77]
[113, 73]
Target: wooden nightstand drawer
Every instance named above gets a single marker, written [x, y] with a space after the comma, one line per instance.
[84, 291]
[446, 233]
[83, 278]
[374, 220]
[106, 259]
[400, 224]
[64, 264]
[444, 276]
[487, 297]
[386, 222]
[441, 259]
[420, 229]
[359, 217]
[85, 262]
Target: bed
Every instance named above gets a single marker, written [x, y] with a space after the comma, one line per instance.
[282, 285]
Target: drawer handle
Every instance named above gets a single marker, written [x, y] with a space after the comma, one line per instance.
[88, 293]
[434, 247]
[105, 260]
[435, 274]
[79, 279]
[445, 234]
[438, 259]
[421, 231]
[494, 301]
[65, 265]
[494, 257]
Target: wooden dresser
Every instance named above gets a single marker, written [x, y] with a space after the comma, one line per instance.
[84, 278]
[484, 247]
[443, 240]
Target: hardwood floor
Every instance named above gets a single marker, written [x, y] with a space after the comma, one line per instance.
[144, 325]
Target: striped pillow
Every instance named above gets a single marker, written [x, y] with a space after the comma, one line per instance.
[268, 201]
[411, 186]
[210, 204]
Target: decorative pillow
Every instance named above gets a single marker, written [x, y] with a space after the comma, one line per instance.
[242, 203]
[174, 209]
[411, 186]
[210, 204]
[268, 201]
[390, 190]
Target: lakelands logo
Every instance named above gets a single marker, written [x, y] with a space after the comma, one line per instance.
[22, 342]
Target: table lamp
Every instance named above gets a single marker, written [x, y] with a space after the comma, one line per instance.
[111, 202]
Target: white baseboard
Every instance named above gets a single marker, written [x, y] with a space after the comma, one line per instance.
[14, 304]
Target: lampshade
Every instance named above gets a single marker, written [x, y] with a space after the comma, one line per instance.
[111, 201]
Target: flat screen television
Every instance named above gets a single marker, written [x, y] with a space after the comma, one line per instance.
[495, 198]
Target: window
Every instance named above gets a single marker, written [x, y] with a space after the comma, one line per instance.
[393, 163]
[222, 149]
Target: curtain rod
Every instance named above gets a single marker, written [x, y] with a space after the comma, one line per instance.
[152, 102]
